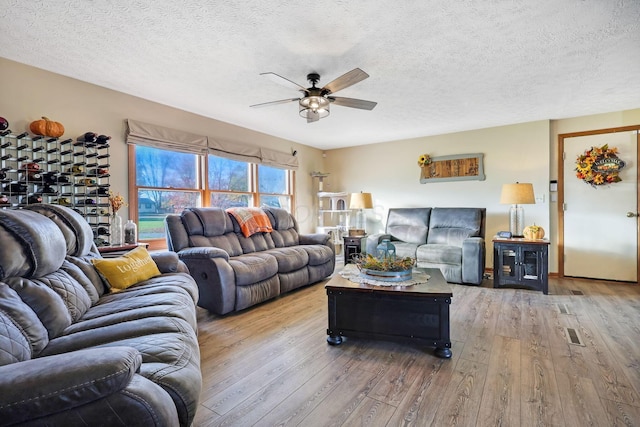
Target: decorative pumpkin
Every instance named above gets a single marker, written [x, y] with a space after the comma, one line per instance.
[533, 232]
[46, 127]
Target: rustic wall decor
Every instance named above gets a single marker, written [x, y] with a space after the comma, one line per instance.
[459, 167]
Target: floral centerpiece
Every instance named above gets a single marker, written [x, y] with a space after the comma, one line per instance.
[599, 166]
[386, 264]
[390, 269]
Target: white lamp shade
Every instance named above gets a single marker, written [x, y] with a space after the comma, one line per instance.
[361, 201]
[517, 194]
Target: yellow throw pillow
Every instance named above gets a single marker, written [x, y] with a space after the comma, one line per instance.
[129, 269]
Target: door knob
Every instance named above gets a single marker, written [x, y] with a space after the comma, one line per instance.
[632, 214]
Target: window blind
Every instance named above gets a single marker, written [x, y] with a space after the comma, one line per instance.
[235, 151]
[176, 140]
[165, 138]
[278, 159]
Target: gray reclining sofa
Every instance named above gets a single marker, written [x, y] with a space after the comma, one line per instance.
[74, 353]
[451, 239]
[234, 272]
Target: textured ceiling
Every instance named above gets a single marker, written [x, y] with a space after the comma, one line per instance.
[436, 66]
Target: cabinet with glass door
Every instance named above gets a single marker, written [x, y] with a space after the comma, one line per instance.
[521, 263]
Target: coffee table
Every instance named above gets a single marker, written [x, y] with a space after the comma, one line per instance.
[418, 312]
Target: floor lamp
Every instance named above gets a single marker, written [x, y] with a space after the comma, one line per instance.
[360, 202]
[516, 195]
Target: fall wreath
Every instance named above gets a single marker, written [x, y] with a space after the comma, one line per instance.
[599, 166]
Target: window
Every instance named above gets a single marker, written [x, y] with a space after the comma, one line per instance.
[274, 187]
[229, 182]
[167, 182]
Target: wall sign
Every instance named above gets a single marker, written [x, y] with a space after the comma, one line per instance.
[599, 166]
[460, 167]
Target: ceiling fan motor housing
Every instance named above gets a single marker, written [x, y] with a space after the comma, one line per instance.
[313, 78]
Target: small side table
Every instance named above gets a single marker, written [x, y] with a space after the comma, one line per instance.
[521, 263]
[352, 247]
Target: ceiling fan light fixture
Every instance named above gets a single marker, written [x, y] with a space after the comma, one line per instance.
[312, 106]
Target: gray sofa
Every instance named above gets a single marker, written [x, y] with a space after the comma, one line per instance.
[234, 272]
[451, 239]
[73, 353]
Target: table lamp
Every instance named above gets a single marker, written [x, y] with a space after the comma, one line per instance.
[360, 202]
[516, 195]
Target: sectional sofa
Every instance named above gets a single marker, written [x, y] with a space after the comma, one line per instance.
[80, 348]
[236, 268]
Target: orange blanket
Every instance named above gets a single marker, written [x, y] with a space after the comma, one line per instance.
[251, 220]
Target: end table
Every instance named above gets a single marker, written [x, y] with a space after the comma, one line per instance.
[352, 247]
[117, 251]
[521, 263]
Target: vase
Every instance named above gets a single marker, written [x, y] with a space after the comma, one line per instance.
[130, 232]
[115, 230]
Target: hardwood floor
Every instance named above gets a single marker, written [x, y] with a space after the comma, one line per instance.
[520, 358]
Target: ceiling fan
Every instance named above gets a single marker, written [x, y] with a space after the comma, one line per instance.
[314, 105]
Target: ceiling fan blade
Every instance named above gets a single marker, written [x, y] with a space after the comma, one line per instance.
[312, 117]
[352, 102]
[267, 104]
[348, 79]
[283, 81]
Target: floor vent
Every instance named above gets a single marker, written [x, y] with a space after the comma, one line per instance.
[575, 292]
[573, 336]
[563, 308]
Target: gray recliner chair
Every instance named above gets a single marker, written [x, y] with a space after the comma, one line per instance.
[451, 239]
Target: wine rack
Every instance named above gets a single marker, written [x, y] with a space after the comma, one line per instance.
[73, 173]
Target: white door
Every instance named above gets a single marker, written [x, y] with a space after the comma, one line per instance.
[600, 240]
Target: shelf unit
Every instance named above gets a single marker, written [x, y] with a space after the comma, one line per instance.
[37, 169]
[333, 218]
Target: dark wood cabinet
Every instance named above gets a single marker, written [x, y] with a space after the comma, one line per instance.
[521, 263]
[352, 247]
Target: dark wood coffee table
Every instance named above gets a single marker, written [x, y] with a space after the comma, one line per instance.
[418, 312]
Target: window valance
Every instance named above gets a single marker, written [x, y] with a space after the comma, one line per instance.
[165, 138]
[253, 154]
[176, 140]
[235, 151]
[278, 159]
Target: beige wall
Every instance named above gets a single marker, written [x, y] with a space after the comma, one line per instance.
[28, 93]
[523, 152]
[390, 172]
